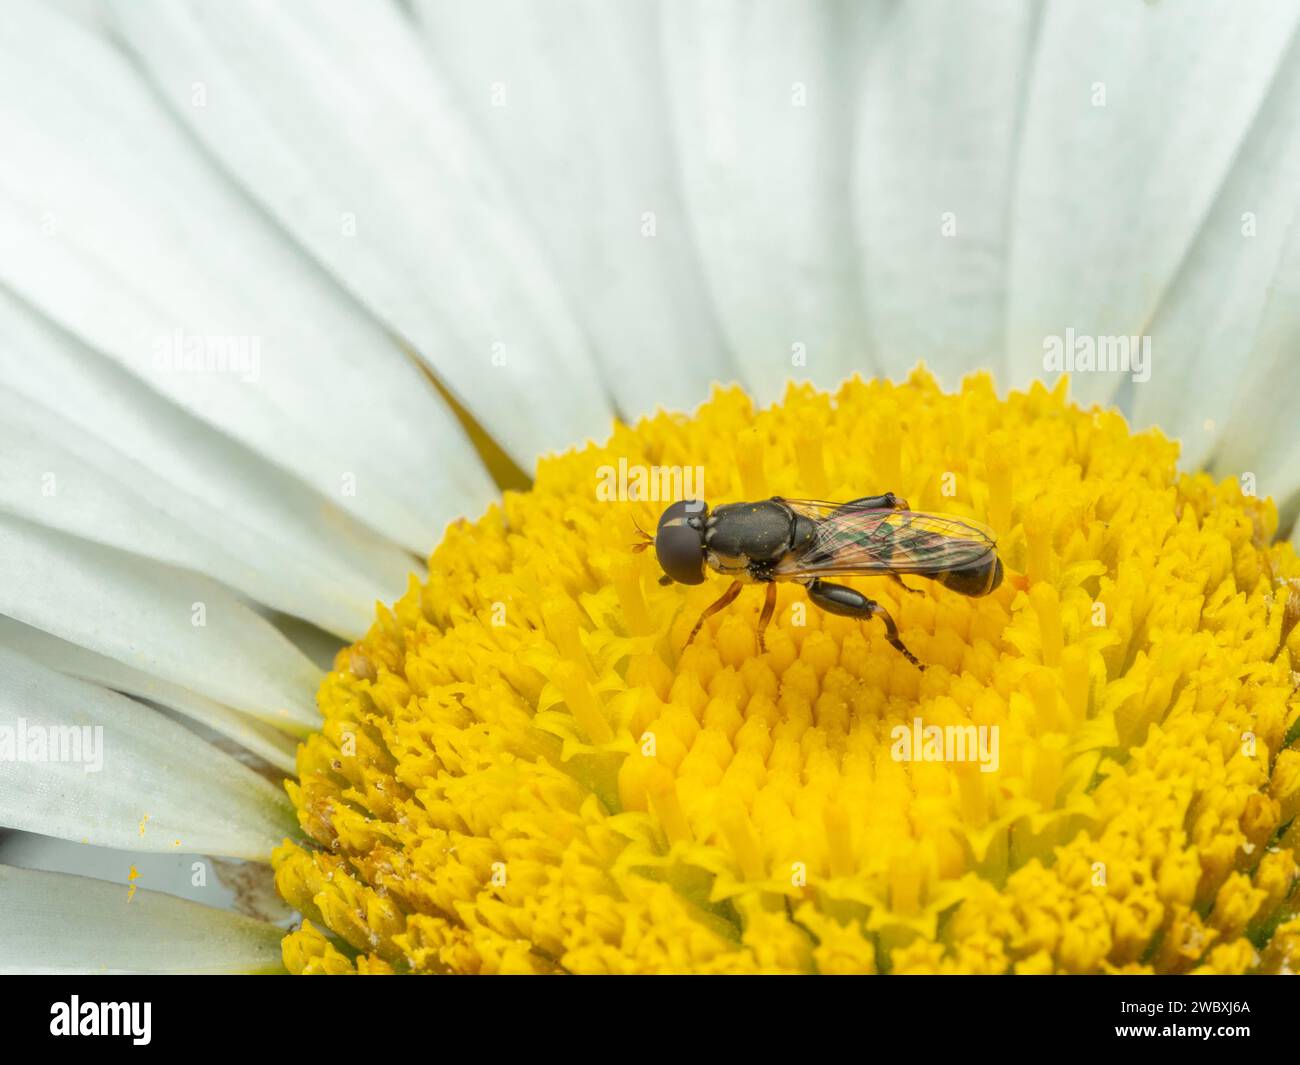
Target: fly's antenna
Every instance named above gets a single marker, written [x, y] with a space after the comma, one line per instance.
[646, 538]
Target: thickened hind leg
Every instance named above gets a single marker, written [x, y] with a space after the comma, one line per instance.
[837, 599]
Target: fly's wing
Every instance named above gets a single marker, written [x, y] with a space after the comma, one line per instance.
[853, 539]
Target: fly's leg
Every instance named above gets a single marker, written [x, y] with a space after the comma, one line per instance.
[726, 599]
[906, 587]
[888, 501]
[837, 599]
[769, 606]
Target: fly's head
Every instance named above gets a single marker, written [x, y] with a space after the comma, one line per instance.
[679, 542]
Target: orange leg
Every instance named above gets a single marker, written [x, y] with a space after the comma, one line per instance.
[728, 597]
[769, 606]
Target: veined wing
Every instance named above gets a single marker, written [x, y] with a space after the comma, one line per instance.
[853, 539]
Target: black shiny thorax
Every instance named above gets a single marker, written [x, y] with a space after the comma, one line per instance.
[749, 539]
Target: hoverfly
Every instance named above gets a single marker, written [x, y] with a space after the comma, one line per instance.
[808, 540]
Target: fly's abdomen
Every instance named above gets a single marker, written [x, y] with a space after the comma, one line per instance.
[974, 580]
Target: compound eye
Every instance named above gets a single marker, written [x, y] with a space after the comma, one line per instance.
[679, 542]
[685, 511]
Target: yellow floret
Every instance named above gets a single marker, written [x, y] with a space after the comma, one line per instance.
[521, 769]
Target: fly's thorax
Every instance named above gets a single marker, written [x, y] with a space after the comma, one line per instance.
[726, 567]
[738, 534]
[805, 531]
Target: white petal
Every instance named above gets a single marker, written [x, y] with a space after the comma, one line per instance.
[337, 126]
[318, 646]
[762, 95]
[1109, 198]
[1262, 438]
[147, 616]
[89, 12]
[138, 780]
[138, 473]
[58, 923]
[171, 873]
[114, 225]
[942, 95]
[258, 737]
[576, 120]
[1205, 340]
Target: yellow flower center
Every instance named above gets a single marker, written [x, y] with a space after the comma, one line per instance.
[521, 769]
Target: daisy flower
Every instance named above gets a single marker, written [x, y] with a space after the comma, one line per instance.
[345, 348]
